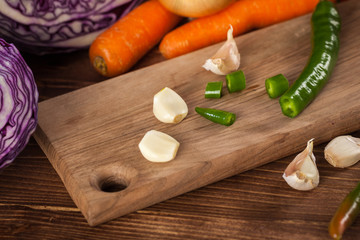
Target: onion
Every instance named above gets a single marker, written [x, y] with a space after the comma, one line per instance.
[195, 8]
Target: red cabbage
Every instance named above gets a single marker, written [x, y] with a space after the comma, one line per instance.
[51, 26]
[18, 103]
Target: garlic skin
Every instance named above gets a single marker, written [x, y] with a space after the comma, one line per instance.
[169, 107]
[157, 146]
[343, 151]
[226, 59]
[302, 173]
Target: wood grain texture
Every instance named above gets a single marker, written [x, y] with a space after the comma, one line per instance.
[91, 135]
[256, 204]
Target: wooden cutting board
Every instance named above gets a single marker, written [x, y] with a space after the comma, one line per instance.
[91, 135]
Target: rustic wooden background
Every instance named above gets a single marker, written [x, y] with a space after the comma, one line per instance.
[256, 204]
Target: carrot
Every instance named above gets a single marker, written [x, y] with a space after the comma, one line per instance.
[119, 47]
[243, 15]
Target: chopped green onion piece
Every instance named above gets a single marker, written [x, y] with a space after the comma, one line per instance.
[235, 81]
[276, 85]
[213, 90]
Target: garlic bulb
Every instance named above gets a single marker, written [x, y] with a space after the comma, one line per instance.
[169, 107]
[343, 151]
[226, 59]
[302, 173]
[157, 146]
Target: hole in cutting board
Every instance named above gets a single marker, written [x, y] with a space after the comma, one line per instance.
[112, 184]
[113, 177]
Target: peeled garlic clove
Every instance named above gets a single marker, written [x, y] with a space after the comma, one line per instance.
[302, 173]
[169, 107]
[343, 151]
[157, 146]
[226, 59]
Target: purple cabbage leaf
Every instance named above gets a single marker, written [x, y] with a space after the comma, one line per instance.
[55, 26]
[18, 103]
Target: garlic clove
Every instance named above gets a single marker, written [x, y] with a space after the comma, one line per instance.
[302, 173]
[343, 151]
[226, 59]
[157, 146]
[169, 107]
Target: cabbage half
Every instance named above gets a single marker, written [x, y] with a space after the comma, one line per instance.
[52, 26]
[18, 103]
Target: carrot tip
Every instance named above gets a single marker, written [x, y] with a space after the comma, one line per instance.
[100, 65]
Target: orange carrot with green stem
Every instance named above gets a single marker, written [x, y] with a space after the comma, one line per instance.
[243, 15]
[119, 47]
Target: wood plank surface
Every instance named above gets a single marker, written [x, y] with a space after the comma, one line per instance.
[91, 135]
[256, 204]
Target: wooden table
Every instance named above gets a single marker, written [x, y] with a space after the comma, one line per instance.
[256, 204]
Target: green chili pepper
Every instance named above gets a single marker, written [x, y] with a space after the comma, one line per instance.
[217, 116]
[213, 90]
[325, 46]
[276, 85]
[345, 214]
[235, 81]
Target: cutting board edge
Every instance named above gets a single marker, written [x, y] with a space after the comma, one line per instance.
[48, 148]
